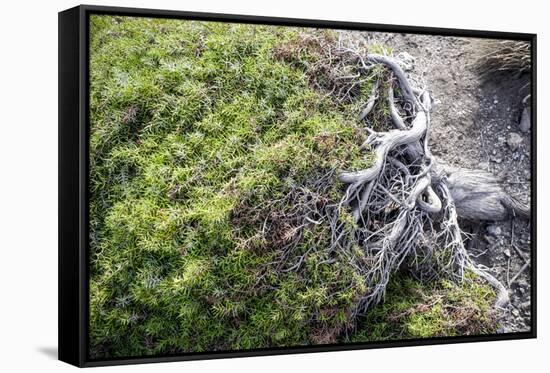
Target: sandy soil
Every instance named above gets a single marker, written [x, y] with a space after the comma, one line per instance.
[472, 122]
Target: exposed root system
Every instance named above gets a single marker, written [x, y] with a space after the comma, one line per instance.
[406, 207]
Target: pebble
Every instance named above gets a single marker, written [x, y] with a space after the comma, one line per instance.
[514, 140]
[483, 165]
[494, 230]
[525, 122]
[490, 240]
[407, 61]
[515, 312]
[507, 253]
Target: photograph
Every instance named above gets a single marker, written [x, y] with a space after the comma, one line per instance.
[255, 186]
[274, 187]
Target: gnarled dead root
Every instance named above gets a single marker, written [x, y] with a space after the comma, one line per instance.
[406, 207]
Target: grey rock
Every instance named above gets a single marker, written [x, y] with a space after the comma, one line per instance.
[406, 61]
[507, 253]
[494, 230]
[490, 240]
[483, 165]
[525, 121]
[514, 140]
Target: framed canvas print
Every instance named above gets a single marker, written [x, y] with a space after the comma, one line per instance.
[237, 186]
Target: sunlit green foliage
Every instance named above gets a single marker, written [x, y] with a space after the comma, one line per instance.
[438, 309]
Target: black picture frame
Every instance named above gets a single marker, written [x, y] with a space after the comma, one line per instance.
[73, 181]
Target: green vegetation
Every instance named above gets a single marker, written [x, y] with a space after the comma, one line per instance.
[439, 309]
[203, 137]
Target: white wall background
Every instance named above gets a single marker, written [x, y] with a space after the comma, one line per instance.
[28, 184]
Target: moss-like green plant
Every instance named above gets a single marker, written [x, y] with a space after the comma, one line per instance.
[437, 309]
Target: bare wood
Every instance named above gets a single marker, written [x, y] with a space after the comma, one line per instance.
[408, 198]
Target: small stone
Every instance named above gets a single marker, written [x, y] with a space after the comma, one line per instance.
[525, 122]
[507, 253]
[490, 240]
[525, 306]
[407, 61]
[483, 165]
[494, 230]
[496, 159]
[514, 140]
[495, 102]
[515, 312]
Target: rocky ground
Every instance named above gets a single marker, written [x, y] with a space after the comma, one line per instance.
[476, 124]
